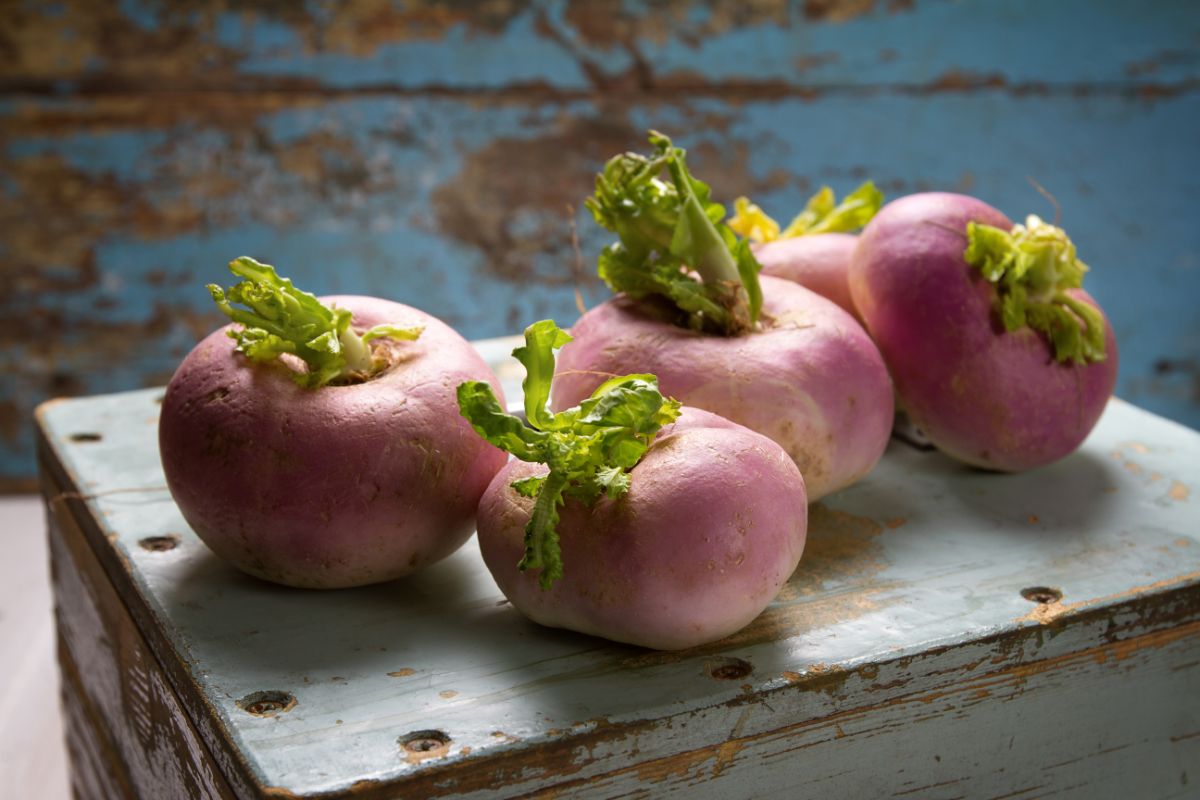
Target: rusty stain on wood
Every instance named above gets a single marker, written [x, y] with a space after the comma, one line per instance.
[1046, 613]
[502, 203]
[846, 10]
[840, 546]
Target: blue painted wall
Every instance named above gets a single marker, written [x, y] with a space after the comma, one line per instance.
[437, 154]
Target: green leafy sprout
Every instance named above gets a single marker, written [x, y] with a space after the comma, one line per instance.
[671, 233]
[278, 318]
[1032, 266]
[822, 214]
[589, 449]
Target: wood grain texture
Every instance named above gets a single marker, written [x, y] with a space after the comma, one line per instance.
[94, 768]
[128, 735]
[903, 657]
[438, 154]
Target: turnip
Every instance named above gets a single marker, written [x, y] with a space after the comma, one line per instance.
[649, 524]
[765, 353]
[814, 250]
[998, 354]
[314, 443]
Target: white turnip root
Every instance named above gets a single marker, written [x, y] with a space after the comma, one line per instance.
[686, 547]
[325, 486]
[997, 353]
[769, 354]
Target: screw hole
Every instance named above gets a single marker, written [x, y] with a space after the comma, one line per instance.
[268, 703]
[159, 544]
[420, 745]
[85, 437]
[1041, 595]
[729, 669]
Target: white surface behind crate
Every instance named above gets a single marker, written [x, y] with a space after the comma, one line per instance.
[33, 760]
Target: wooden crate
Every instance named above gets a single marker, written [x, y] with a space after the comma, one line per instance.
[949, 633]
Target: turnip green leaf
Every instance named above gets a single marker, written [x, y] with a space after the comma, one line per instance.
[1032, 267]
[673, 242]
[589, 449]
[822, 214]
[278, 318]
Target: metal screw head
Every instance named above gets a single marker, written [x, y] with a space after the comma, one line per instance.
[159, 544]
[729, 669]
[267, 703]
[420, 745]
[1042, 595]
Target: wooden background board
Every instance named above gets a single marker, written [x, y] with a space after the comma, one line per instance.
[437, 153]
[903, 654]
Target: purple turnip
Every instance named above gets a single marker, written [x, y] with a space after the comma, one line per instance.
[818, 263]
[769, 354]
[814, 250]
[309, 453]
[809, 377]
[998, 354]
[649, 524]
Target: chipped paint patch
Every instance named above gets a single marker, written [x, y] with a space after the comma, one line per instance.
[503, 204]
[679, 767]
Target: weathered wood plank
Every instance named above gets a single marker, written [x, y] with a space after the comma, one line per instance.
[907, 620]
[463, 209]
[430, 152]
[1040, 712]
[95, 770]
[129, 736]
[781, 46]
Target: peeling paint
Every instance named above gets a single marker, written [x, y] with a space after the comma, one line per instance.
[504, 203]
[430, 151]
